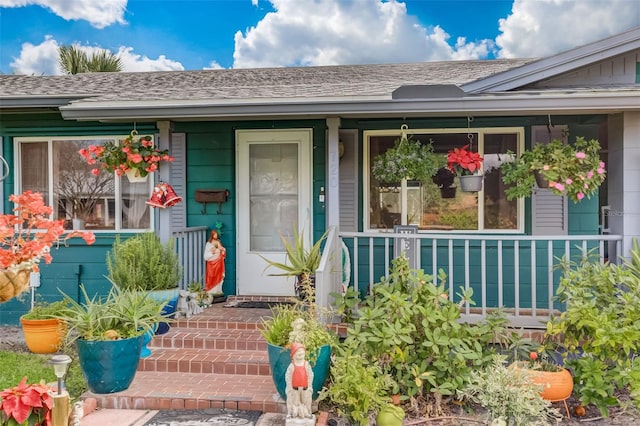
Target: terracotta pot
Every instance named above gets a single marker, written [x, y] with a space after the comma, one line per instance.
[556, 385]
[43, 336]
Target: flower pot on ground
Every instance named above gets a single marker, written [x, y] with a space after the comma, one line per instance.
[143, 263]
[22, 248]
[109, 333]
[135, 153]
[43, 332]
[574, 170]
[279, 331]
[466, 165]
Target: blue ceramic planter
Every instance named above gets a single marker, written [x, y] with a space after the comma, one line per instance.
[109, 366]
[171, 297]
[280, 358]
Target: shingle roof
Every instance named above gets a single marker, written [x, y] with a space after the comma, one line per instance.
[300, 82]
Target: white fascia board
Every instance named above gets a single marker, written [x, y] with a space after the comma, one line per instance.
[588, 102]
[558, 64]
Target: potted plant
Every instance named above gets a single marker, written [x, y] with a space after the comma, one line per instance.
[108, 333]
[283, 327]
[466, 165]
[136, 156]
[300, 262]
[408, 159]
[27, 237]
[572, 170]
[43, 332]
[26, 404]
[144, 263]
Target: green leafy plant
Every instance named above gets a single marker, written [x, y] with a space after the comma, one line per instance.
[345, 304]
[357, 391]
[572, 170]
[410, 328]
[300, 260]
[408, 159]
[600, 328]
[122, 314]
[44, 310]
[142, 262]
[509, 395]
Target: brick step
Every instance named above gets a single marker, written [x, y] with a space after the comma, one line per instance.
[200, 338]
[207, 361]
[154, 390]
[232, 321]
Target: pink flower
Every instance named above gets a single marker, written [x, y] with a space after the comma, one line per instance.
[579, 195]
[95, 172]
[559, 187]
[545, 167]
[590, 174]
[569, 181]
[586, 186]
[600, 171]
[581, 155]
[602, 164]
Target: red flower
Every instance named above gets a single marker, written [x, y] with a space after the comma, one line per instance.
[26, 402]
[463, 162]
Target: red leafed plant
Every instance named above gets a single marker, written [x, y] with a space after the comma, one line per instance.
[28, 235]
[463, 162]
[26, 405]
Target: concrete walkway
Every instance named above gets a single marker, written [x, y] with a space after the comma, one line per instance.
[124, 417]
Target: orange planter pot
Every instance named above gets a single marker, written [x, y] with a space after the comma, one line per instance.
[43, 336]
[556, 385]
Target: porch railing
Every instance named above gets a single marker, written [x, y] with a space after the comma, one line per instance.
[189, 245]
[514, 272]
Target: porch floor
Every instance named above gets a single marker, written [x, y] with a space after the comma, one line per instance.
[216, 359]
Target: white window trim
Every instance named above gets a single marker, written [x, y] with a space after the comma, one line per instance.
[17, 165]
[481, 132]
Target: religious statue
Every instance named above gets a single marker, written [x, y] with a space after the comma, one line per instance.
[214, 256]
[299, 384]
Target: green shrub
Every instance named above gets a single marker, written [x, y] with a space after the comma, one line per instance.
[600, 328]
[45, 310]
[142, 262]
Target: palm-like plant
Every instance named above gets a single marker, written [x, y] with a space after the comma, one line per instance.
[73, 60]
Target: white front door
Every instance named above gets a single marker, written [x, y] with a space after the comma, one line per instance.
[274, 195]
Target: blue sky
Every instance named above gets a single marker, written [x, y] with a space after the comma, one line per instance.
[199, 34]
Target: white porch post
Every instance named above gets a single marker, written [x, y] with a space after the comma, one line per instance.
[333, 174]
[163, 225]
[623, 175]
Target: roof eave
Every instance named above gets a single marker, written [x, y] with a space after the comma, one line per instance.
[506, 104]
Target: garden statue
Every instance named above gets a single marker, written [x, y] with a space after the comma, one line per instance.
[299, 387]
[296, 334]
[214, 256]
[188, 304]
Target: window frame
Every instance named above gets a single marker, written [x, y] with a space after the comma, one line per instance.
[50, 140]
[481, 132]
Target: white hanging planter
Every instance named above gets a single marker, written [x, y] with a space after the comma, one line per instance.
[471, 183]
[134, 176]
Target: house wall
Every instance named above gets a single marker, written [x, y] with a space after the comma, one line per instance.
[210, 163]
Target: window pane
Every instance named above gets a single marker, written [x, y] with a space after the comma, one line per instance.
[78, 193]
[34, 170]
[135, 212]
[499, 213]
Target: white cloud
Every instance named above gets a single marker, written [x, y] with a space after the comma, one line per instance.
[325, 32]
[537, 28]
[43, 59]
[99, 13]
[213, 65]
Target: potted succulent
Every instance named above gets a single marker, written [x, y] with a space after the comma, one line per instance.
[43, 332]
[26, 404]
[144, 263]
[284, 327]
[466, 165]
[300, 262]
[408, 159]
[26, 238]
[572, 170]
[136, 156]
[109, 333]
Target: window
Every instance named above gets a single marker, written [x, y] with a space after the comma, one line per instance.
[426, 206]
[53, 167]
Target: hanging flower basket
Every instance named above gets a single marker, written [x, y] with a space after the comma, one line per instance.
[13, 283]
[408, 159]
[135, 153]
[471, 183]
[134, 176]
[466, 165]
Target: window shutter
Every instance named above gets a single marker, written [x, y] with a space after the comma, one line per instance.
[178, 180]
[548, 211]
[349, 181]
